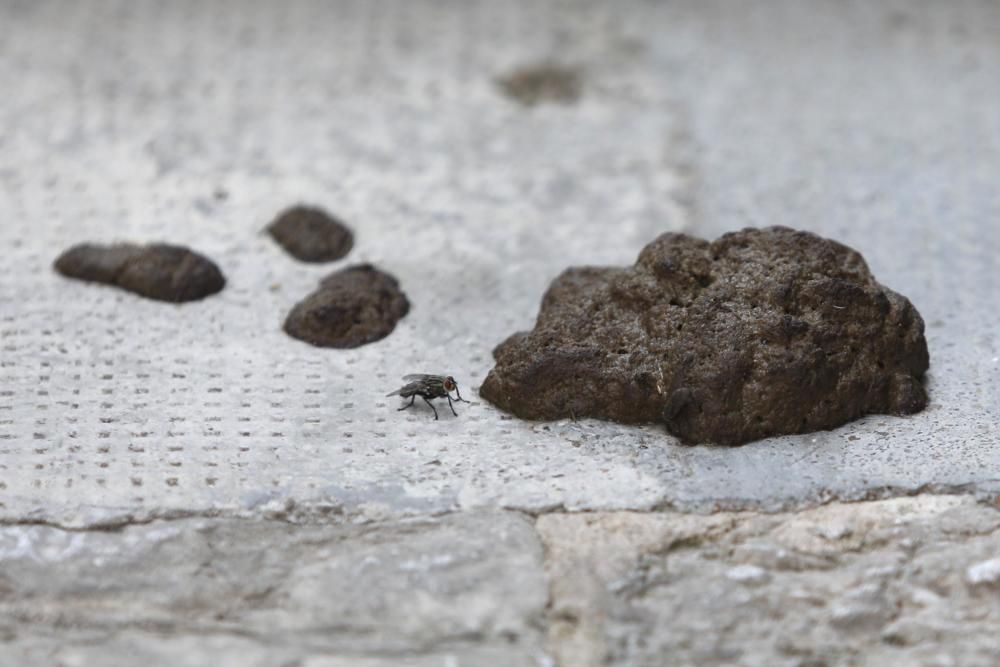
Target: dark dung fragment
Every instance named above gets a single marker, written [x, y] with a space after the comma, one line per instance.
[543, 82]
[157, 271]
[762, 332]
[351, 307]
[311, 235]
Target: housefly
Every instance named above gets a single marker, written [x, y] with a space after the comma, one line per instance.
[428, 387]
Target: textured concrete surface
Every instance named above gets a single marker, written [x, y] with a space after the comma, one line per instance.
[465, 589]
[907, 581]
[912, 581]
[197, 123]
[194, 123]
[276, 464]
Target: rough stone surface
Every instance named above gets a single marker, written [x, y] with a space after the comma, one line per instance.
[759, 333]
[156, 271]
[543, 83]
[311, 234]
[352, 307]
[887, 582]
[879, 583]
[464, 589]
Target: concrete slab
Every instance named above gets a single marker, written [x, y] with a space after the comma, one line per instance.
[874, 123]
[197, 124]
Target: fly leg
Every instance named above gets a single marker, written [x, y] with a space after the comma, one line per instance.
[451, 406]
[459, 396]
[431, 405]
[410, 404]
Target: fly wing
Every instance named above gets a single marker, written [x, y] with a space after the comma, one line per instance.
[409, 389]
[418, 377]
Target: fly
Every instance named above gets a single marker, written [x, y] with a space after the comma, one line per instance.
[428, 387]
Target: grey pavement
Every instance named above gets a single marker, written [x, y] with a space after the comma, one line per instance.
[271, 592]
[141, 439]
[908, 581]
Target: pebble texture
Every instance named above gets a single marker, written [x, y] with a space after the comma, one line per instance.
[759, 333]
[352, 307]
[311, 235]
[157, 271]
